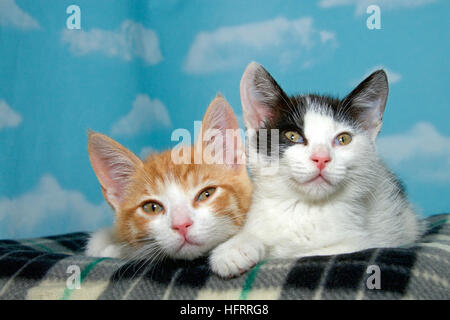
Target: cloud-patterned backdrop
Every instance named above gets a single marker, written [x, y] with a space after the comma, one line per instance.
[137, 70]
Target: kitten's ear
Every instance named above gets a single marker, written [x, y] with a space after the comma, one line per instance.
[220, 132]
[260, 95]
[114, 166]
[368, 101]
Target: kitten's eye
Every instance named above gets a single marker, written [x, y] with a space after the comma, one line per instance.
[343, 139]
[206, 193]
[294, 136]
[152, 207]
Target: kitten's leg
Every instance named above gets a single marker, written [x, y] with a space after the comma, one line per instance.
[102, 244]
[237, 255]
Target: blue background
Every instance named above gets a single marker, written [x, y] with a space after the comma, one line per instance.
[167, 59]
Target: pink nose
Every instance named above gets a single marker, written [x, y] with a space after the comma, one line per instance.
[320, 160]
[182, 228]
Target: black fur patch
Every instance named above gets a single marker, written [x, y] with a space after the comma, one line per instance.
[288, 112]
[290, 116]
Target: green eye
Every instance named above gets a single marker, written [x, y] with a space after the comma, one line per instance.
[294, 136]
[153, 208]
[343, 139]
[206, 193]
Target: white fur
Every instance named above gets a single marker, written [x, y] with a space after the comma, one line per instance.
[102, 243]
[290, 218]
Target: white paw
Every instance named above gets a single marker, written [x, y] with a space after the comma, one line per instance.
[236, 256]
[102, 244]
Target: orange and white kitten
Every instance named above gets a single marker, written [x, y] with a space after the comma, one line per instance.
[181, 211]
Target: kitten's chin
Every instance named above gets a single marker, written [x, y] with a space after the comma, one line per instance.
[314, 189]
[188, 251]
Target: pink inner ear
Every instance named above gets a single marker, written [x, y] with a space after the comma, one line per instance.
[254, 109]
[114, 166]
[220, 117]
[255, 114]
[113, 187]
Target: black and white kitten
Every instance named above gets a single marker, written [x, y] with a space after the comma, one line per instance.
[330, 193]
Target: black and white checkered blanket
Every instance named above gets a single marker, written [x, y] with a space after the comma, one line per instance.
[55, 268]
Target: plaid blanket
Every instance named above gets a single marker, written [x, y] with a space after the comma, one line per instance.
[55, 268]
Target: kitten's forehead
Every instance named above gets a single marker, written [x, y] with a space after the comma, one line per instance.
[318, 124]
[164, 176]
[180, 189]
[316, 107]
[322, 105]
[175, 194]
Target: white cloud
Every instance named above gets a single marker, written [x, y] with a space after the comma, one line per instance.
[422, 151]
[393, 77]
[130, 40]
[289, 42]
[51, 208]
[326, 36]
[11, 15]
[8, 117]
[361, 5]
[145, 115]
